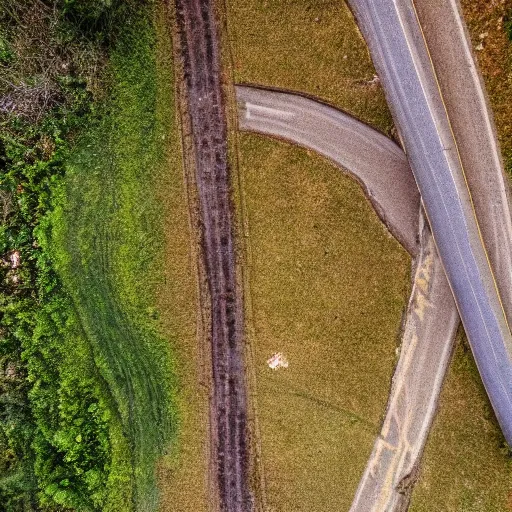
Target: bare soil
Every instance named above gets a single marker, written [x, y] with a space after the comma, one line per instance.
[204, 121]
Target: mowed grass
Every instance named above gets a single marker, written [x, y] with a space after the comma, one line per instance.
[466, 466]
[328, 285]
[302, 46]
[312, 46]
[122, 244]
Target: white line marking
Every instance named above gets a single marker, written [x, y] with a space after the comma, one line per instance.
[253, 110]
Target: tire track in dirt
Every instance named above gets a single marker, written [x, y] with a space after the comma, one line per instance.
[203, 116]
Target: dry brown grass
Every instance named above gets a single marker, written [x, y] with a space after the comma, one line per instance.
[328, 285]
[313, 248]
[319, 417]
[487, 20]
[311, 46]
[182, 473]
[465, 466]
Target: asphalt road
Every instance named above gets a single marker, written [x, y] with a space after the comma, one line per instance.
[375, 161]
[399, 53]
[431, 322]
[467, 106]
[427, 341]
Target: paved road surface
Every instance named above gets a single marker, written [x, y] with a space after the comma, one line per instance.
[393, 466]
[471, 119]
[431, 322]
[204, 116]
[398, 49]
[375, 161]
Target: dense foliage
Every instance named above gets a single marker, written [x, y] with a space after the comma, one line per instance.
[70, 434]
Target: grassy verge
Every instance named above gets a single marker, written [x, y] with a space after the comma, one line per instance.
[272, 41]
[85, 351]
[314, 240]
[106, 231]
[465, 465]
[490, 28]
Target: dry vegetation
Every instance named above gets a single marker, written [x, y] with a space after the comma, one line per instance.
[311, 46]
[33, 81]
[466, 466]
[314, 240]
[318, 417]
[490, 27]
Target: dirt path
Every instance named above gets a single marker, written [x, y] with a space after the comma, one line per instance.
[205, 144]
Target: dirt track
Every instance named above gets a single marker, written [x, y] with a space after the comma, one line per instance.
[203, 116]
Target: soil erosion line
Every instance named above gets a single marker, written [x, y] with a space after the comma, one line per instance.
[203, 115]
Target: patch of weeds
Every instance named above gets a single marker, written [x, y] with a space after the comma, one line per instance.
[84, 393]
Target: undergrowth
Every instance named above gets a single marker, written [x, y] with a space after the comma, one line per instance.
[85, 378]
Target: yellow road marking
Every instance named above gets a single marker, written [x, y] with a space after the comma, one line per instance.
[462, 169]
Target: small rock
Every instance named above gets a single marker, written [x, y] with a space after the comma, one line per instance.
[375, 80]
[277, 360]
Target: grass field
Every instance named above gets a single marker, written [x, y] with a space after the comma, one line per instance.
[311, 46]
[465, 466]
[269, 44]
[107, 232]
[79, 332]
[314, 239]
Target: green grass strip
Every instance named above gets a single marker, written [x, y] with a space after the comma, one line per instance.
[107, 235]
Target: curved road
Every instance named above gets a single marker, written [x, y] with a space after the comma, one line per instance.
[425, 351]
[400, 55]
[375, 161]
[431, 322]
